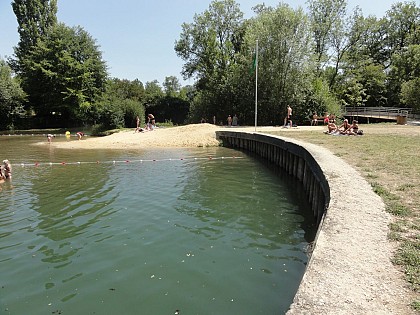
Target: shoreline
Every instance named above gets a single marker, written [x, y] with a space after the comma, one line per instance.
[194, 135]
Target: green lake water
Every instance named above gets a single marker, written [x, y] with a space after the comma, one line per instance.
[148, 232]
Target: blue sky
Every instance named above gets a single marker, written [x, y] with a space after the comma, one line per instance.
[137, 36]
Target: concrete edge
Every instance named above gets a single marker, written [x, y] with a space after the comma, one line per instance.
[350, 270]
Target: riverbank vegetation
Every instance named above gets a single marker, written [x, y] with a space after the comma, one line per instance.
[316, 59]
[388, 156]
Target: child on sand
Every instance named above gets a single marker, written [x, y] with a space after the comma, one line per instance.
[50, 137]
[79, 135]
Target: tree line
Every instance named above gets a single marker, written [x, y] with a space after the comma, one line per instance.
[317, 60]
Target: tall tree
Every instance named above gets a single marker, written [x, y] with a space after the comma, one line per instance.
[209, 46]
[65, 73]
[11, 97]
[206, 44]
[369, 34]
[35, 18]
[410, 93]
[364, 61]
[347, 34]
[171, 86]
[152, 92]
[406, 70]
[402, 24]
[326, 19]
[127, 89]
[285, 67]
[119, 106]
[355, 93]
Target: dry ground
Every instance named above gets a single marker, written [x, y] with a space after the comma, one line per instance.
[197, 135]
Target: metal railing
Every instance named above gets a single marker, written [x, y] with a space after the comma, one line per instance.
[378, 112]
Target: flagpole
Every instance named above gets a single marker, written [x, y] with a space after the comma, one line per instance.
[256, 84]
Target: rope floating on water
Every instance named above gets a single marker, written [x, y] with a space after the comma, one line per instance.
[40, 135]
[38, 164]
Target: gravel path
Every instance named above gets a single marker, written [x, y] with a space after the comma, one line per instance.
[350, 271]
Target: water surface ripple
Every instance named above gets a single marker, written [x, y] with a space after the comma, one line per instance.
[203, 236]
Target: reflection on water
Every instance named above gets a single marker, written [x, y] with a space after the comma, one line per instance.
[203, 236]
[250, 200]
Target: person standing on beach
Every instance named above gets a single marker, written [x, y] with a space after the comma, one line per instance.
[314, 121]
[80, 134]
[151, 122]
[229, 121]
[288, 118]
[235, 120]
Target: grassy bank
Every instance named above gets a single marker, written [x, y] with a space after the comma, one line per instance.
[388, 156]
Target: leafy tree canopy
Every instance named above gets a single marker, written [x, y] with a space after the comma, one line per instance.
[11, 97]
[35, 19]
[207, 45]
[65, 72]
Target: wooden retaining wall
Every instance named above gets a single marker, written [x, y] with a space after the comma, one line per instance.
[294, 159]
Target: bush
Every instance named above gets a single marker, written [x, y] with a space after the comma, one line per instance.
[167, 123]
[98, 130]
[132, 109]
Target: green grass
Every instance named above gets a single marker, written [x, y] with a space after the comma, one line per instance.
[398, 209]
[416, 305]
[405, 187]
[408, 256]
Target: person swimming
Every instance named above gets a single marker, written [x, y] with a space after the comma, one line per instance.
[6, 170]
[2, 177]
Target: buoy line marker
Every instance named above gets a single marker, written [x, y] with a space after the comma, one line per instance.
[210, 158]
[41, 135]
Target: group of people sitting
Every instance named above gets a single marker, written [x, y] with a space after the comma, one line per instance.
[150, 125]
[344, 129]
[5, 170]
[327, 118]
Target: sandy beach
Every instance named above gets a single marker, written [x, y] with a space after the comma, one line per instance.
[199, 135]
[194, 135]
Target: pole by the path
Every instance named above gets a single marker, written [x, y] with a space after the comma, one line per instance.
[256, 85]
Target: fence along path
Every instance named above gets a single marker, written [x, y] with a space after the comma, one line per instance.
[386, 113]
